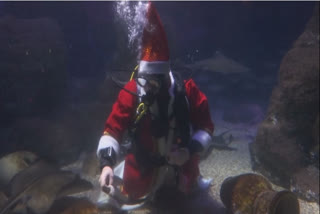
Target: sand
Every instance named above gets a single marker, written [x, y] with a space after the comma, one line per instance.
[219, 165]
[222, 164]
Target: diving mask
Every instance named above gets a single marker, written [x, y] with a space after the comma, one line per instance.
[150, 83]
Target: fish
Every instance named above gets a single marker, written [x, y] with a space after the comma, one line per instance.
[11, 164]
[3, 199]
[219, 63]
[220, 143]
[75, 188]
[117, 200]
[36, 187]
[90, 166]
[112, 196]
[71, 205]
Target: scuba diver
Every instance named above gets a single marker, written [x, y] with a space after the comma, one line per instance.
[167, 120]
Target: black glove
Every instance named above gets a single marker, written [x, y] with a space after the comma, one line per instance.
[107, 157]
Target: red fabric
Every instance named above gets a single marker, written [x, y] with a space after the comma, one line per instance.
[199, 108]
[123, 112]
[136, 184]
[154, 39]
[190, 171]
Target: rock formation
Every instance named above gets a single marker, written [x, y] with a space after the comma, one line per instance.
[32, 67]
[288, 138]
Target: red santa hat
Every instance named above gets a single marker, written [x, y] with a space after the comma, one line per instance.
[155, 50]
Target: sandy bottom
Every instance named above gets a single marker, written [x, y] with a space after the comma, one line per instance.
[222, 164]
[219, 165]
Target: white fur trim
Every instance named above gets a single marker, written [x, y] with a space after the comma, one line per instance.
[155, 67]
[107, 141]
[202, 137]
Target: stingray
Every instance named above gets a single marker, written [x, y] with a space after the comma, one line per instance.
[3, 199]
[71, 205]
[75, 188]
[36, 187]
[219, 142]
[13, 163]
[219, 63]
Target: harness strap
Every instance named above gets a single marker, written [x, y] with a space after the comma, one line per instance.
[141, 111]
[134, 72]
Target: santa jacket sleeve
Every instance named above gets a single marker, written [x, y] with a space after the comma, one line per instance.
[200, 117]
[124, 108]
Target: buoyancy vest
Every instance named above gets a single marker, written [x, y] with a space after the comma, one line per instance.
[182, 129]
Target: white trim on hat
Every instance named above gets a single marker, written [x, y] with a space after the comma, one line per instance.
[155, 67]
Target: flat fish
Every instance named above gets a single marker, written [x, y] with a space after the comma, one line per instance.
[36, 187]
[75, 188]
[13, 163]
[3, 199]
[219, 63]
[71, 205]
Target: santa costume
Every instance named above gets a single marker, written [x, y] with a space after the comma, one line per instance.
[174, 119]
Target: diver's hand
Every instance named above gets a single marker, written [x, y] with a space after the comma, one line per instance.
[106, 177]
[178, 156]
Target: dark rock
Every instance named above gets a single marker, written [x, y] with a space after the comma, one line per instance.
[56, 141]
[63, 138]
[32, 67]
[305, 183]
[314, 152]
[287, 136]
[275, 154]
[60, 139]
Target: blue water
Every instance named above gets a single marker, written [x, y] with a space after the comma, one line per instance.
[55, 58]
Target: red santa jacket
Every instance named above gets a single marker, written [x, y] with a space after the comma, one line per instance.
[124, 109]
[136, 182]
